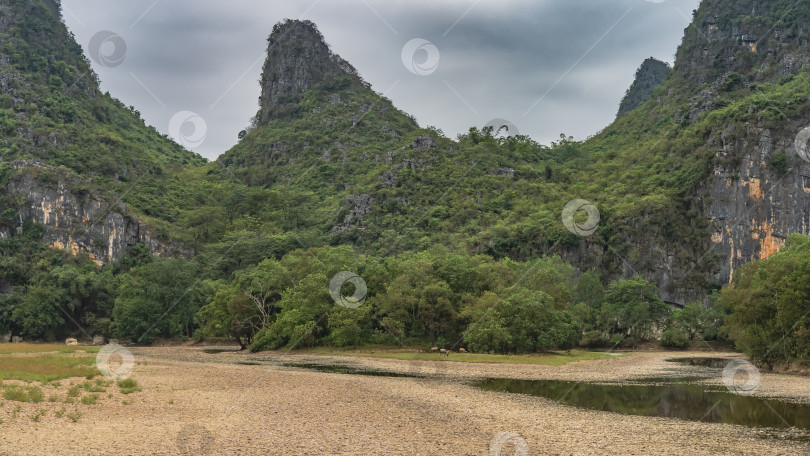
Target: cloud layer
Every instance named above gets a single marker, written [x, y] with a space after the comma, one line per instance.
[547, 66]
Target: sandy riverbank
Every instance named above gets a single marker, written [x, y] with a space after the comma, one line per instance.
[197, 403]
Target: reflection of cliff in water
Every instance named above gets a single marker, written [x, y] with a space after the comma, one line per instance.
[677, 400]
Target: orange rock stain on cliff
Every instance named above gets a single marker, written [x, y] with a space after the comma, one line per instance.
[768, 243]
[755, 189]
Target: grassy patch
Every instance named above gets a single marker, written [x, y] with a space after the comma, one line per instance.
[74, 391]
[46, 367]
[128, 386]
[6, 349]
[23, 393]
[37, 416]
[548, 359]
[74, 415]
[93, 388]
[90, 399]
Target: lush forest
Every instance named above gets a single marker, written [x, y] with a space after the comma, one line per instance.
[459, 242]
[434, 297]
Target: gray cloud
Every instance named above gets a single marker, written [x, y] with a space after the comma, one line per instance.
[499, 56]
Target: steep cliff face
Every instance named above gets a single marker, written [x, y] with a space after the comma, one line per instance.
[755, 205]
[758, 191]
[75, 220]
[736, 101]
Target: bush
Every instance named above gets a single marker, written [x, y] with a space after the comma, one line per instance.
[675, 338]
[594, 339]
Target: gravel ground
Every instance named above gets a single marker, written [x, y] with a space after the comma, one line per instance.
[210, 404]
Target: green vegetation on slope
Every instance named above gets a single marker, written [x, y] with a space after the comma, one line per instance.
[769, 306]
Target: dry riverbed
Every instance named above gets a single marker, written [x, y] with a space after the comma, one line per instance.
[240, 403]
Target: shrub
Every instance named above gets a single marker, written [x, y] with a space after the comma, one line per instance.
[675, 338]
[594, 339]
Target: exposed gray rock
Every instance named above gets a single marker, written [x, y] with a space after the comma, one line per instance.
[297, 59]
[506, 172]
[86, 223]
[424, 142]
[360, 206]
[389, 179]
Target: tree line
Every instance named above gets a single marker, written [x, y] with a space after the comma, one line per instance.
[434, 297]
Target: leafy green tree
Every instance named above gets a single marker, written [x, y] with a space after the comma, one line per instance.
[160, 299]
[302, 321]
[349, 327]
[632, 308]
[768, 304]
[589, 289]
[39, 314]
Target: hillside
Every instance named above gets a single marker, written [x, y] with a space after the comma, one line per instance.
[661, 175]
[699, 179]
[74, 159]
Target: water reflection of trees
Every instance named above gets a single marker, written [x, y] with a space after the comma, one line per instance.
[684, 401]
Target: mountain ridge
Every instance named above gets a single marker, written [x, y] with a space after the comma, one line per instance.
[338, 164]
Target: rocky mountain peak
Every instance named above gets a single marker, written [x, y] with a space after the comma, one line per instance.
[650, 75]
[298, 58]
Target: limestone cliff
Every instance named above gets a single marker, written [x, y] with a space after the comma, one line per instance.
[74, 219]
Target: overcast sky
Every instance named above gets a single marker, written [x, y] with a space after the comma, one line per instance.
[547, 66]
